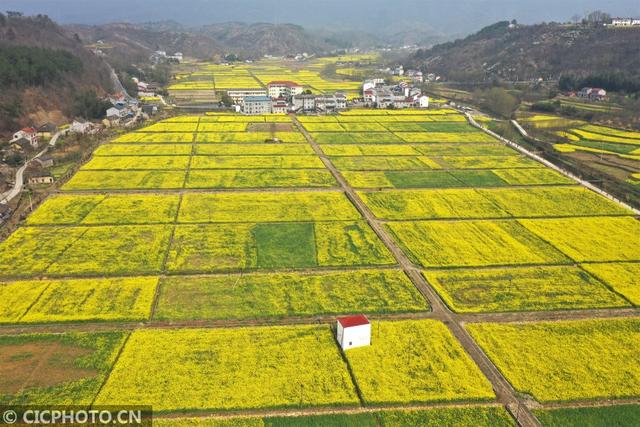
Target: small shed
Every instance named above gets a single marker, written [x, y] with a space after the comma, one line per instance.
[353, 331]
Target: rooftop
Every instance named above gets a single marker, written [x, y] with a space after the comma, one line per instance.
[355, 320]
[257, 99]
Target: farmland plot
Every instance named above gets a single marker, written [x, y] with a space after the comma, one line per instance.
[260, 178]
[252, 149]
[287, 294]
[266, 207]
[256, 162]
[368, 163]
[143, 150]
[521, 289]
[155, 138]
[431, 204]
[230, 369]
[126, 180]
[540, 358]
[473, 244]
[137, 163]
[92, 299]
[590, 239]
[624, 278]
[416, 361]
[55, 369]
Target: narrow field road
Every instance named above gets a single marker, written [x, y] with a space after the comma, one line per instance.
[9, 195]
[504, 392]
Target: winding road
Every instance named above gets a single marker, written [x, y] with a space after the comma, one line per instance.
[9, 195]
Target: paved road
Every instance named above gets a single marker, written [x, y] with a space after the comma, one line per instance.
[9, 195]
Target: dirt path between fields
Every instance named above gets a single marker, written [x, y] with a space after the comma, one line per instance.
[503, 390]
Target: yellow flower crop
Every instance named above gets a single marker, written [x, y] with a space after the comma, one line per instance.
[137, 163]
[266, 207]
[624, 278]
[564, 361]
[414, 362]
[473, 244]
[590, 239]
[143, 150]
[125, 180]
[260, 178]
[92, 299]
[521, 289]
[256, 162]
[227, 369]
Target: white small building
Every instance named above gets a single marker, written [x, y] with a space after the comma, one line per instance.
[30, 134]
[80, 126]
[423, 101]
[353, 331]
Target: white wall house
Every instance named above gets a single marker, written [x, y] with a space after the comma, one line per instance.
[423, 101]
[284, 89]
[257, 105]
[353, 331]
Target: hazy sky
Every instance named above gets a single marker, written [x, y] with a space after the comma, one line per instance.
[459, 16]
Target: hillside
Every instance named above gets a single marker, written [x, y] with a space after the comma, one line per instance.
[135, 43]
[58, 67]
[531, 52]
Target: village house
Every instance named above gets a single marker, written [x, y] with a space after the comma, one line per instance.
[625, 22]
[257, 105]
[280, 106]
[30, 134]
[44, 161]
[304, 103]
[80, 126]
[47, 130]
[21, 145]
[39, 177]
[353, 331]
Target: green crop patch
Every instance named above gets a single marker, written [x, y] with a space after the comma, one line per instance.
[365, 163]
[285, 245]
[597, 416]
[422, 179]
[522, 289]
[356, 138]
[253, 149]
[274, 295]
[225, 247]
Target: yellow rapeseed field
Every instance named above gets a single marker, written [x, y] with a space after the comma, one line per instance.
[230, 369]
[564, 361]
[416, 361]
[624, 278]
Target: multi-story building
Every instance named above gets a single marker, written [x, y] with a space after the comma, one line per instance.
[257, 105]
[238, 95]
[284, 89]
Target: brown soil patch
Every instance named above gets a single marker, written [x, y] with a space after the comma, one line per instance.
[36, 365]
[270, 127]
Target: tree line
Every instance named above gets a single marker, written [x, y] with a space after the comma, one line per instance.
[611, 81]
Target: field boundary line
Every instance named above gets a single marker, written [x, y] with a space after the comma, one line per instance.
[113, 365]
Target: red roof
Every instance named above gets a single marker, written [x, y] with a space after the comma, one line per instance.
[288, 83]
[355, 320]
[29, 130]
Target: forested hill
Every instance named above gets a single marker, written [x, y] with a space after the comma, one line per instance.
[42, 70]
[520, 52]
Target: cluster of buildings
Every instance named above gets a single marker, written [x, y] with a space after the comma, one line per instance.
[160, 56]
[625, 22]
[377, 94]
[592, 94]
[416, 76]
[282, 97]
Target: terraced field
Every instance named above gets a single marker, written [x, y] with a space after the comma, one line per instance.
[201, 262]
